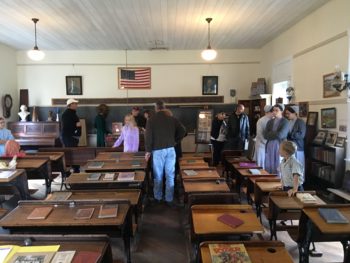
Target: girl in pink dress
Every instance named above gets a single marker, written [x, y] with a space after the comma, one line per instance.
[130, 135]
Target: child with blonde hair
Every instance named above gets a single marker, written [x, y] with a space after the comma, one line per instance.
[130, 135]
[291, 169]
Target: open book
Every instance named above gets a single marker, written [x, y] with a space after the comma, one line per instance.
[306, 198]
[254, 171]
[333, 216]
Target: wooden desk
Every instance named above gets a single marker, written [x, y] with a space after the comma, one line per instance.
[258, 251]
[243, 174]
[252, 165]
[207, 185]
[114, 166]
[121, 156]
[79, 181]
[283, 207]
[201, 174]
[205, 226]
[313, 228]
[61, 220]
[94, 243]
[16, 184]
[12, 177]
[191, 161]
[193, 166]
[133, 195]
[262, 188]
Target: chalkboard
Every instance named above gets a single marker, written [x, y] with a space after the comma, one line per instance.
[204, 120]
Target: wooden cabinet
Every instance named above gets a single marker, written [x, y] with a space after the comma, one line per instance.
[35, 133]
[325, 166]
[254, 109]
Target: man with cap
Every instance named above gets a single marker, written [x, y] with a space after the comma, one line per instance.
[140, 120]
[297, 131]
[260, 141]
[71, 126]
[276, 132]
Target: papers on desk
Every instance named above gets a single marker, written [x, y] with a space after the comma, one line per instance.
[30, 253]
[6, 174]
[333, 216]
[63, 257]
[306, 198]
[232, 252]
[254, 171]
[109, 177]
[4, 251]
[93, 177]
[41, 257]
[190, 172]
[93, 165]
[126, 176]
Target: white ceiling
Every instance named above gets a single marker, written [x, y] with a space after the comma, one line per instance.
[138, 24]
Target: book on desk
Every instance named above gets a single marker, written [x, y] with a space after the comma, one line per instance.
[254, 171]
[84, 213]
[247, 164]
[93, 177]
[109, 177]
[306, 198]
[126, 176]
[63, 256]
[332, 216]
[59, 196]
[7, 174]
[230, 220]
[93, 165]
[190, 172]
[41, 257]
[108, 211]
[221, 253]
[40, 213]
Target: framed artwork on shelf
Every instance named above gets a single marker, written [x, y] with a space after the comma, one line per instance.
[331, 138]
[74, 85]
[340, 142]
[328, 90]
[328, 118]
[312, 118]
[321, 136]
[210, 85]
[303, 109]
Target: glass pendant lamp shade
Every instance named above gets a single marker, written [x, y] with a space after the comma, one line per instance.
[209, 53]
[35, 54]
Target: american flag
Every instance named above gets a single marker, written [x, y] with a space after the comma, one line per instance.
[134, 78]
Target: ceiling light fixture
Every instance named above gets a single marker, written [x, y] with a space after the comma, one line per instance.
[209, 53]
[35, 53]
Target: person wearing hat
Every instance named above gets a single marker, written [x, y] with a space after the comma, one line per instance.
[260, 141]
[297, 131]
[71, 126]
[276, 132]
[140, 120]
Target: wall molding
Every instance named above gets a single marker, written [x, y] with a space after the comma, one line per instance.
[142, 100]
[329, 101]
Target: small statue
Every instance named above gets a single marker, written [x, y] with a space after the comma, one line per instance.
[23, 113]
[50, 116]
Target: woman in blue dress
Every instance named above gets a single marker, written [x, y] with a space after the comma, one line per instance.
[276, 131]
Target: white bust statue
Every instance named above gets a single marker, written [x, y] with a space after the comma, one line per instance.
[23, 113]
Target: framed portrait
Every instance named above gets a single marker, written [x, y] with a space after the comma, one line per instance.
[320, 137]
[210, 85]
[328, 118]
[331, 138]
[312, 118]
[340, 142]
[328, 90]
[74, 85]
[303, 109]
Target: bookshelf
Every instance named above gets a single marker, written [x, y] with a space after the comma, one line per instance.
[326, 166]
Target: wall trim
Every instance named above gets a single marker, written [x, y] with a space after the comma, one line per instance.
[329, 101]
[321, 44]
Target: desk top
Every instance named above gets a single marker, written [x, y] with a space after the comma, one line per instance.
[81, 178]
[204, 218]
[189, 161]
[13, 176]
[236, 159]
[201, 173]
[252, 165]
[191, 186]
[109, 165]
[283, 201]
[133, 195]
[30, 163]
[62, 215]
[54, 156]
[325, 228]
[247, 173]
[195, 154]
[258, 251]
[267, 187]
[267, 178]
[191, 166]
[122, 156]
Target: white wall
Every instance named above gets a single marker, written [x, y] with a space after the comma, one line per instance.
[8, 79]
[316, 44]
[174, 73]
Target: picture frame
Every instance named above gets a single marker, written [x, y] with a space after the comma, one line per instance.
[340, 142]
[74, 85]
[320, 137]
[328, 90]
[303, 109]
[210, 85]
[331, 138]
[312, 117]
[329, 118]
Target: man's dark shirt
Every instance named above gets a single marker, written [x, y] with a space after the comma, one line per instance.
[69, 120]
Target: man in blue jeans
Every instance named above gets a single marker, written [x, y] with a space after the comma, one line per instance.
[162, 133]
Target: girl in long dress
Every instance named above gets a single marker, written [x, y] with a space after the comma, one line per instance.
[130, 135]
[276, 131]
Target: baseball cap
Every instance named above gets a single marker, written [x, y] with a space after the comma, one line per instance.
[70, 101]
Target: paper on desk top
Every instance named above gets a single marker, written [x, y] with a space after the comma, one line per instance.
[18, 249]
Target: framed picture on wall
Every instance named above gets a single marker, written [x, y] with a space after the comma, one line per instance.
[312, 118]
[303, 109]
[74, 85]
[210, 85]
[329, 118]
[328, 90]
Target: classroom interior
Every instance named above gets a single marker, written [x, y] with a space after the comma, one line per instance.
[264, 48]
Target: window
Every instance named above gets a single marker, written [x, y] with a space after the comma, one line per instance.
[279, 91]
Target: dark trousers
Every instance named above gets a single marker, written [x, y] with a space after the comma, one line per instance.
[236, 143]
[286, 188]
[217, 149]
[70, 141]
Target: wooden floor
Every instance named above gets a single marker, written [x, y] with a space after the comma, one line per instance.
[163, 237]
